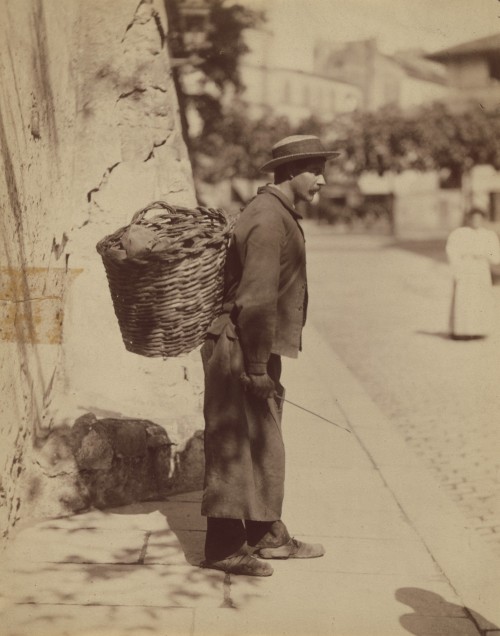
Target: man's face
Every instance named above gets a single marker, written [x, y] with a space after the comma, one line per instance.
[306, 183]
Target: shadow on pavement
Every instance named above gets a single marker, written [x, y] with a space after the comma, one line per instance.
[437, 334]
[98, 570]
[432, 614]
[432, 248]
[184, 531]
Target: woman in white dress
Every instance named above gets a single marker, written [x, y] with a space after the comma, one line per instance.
[471, 250]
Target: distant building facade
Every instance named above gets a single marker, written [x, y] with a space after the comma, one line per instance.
[292, 92]
[473, 78]
[405, 79]
[473, 72]
[328, 78]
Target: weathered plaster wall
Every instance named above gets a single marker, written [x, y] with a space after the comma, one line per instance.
[89, 133]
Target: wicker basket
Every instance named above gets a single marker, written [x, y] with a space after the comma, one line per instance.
[165, 301]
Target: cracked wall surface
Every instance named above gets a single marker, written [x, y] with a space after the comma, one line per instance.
[89, 134]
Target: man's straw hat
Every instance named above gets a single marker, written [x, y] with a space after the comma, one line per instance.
[294, 148]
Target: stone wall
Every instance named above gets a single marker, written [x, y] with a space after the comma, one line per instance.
[89, 133]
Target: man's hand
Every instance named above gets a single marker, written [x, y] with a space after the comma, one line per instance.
[259, 385]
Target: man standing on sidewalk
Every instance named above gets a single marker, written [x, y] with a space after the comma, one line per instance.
[264, 311]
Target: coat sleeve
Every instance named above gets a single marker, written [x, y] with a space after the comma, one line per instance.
[256, 297]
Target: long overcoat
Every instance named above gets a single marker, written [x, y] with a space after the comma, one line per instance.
[264, 311]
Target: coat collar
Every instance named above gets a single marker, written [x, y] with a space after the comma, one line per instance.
[271, 189]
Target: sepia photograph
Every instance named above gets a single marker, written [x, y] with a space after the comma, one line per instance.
[249, 317]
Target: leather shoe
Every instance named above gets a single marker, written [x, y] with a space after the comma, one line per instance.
[240, 564]
[292, 549]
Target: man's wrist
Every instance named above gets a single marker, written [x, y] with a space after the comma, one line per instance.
[256, 368]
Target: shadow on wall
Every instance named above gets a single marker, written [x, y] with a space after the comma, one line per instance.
[109, 462]
[432, 614]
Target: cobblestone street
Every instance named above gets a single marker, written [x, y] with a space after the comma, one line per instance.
[384, 310]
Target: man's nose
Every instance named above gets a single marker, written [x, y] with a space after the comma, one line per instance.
[320, 180]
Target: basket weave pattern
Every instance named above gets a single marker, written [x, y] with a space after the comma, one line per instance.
[165, 301]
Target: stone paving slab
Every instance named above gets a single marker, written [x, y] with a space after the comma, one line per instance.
[142, 517]
[92, 620]
[302, 516]
[369, 556]
[342, 487]
[183, 515]
[139, 585]
[386, 314]
[280, 620]
[173, 512]
[471, 567]
[361, 523]
[338, 450]
[87, 545]
[163, 547]
[349, 604]
[379, 576]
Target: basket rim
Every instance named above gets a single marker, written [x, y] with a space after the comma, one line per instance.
[175, 250]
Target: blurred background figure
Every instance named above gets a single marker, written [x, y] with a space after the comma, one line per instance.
[471, 250]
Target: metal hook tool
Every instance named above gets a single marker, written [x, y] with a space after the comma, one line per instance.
[313, 413]
[246, 382]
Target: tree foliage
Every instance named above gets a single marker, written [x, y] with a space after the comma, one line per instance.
[214, 53]
[231, 143]
[433, 137]
[237, 145]
[224, 44]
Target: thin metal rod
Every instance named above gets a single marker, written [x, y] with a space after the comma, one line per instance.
[313, 413]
